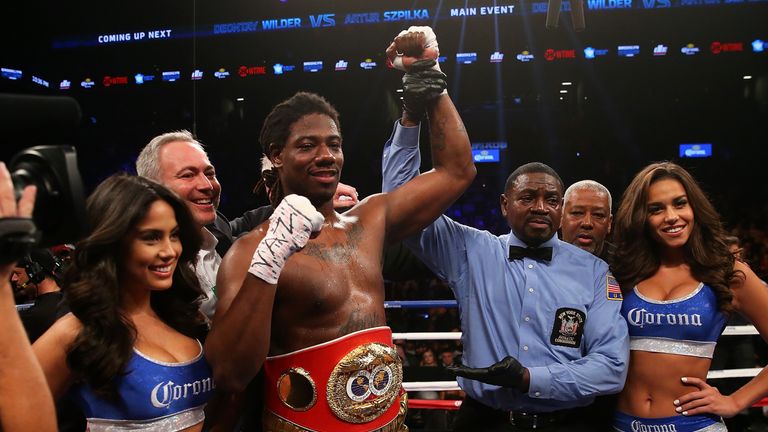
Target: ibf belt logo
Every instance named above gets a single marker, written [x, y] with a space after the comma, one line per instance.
[362, 384]
[365, 383]
[568, 328]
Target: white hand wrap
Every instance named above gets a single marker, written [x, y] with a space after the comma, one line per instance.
[430, 38]
[430, 41]
[290, 226]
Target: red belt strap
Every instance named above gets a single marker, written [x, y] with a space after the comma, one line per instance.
[352, 383]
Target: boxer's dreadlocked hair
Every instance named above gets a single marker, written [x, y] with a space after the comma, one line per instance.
[277, 127]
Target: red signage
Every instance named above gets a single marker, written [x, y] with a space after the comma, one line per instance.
[721, 47]
[118, 80]
[245, 71]
[552, 54]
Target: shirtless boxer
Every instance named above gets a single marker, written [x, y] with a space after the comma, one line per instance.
[315, 306]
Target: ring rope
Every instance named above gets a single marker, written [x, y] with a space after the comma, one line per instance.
[453, 405]
[741, 330]
[744, 330]
[418, 304]
[453, 385]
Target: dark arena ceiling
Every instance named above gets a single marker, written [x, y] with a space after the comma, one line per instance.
[645, 77]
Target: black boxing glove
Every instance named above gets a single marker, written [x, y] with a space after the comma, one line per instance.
[506, 373]
[421, 85]
[423, 65]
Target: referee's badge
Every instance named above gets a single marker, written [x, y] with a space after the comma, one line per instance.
[568, 327]
[612, 288]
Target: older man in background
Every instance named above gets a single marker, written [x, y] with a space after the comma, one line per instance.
[587, 218]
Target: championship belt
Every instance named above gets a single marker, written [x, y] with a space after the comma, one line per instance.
[352, 383]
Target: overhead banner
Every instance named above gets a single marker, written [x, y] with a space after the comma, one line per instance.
[330, 19]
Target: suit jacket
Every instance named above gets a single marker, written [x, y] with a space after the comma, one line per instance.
[226, 231]
[221, 229]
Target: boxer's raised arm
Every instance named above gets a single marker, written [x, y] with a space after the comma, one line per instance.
[420, 201]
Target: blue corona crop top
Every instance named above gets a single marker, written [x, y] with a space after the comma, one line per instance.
[687, 325]
[153, 396]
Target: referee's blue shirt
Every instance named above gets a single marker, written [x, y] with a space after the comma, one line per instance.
[560, 318]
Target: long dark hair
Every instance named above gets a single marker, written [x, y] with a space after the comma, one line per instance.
[103, 347]
[277, 128]
[706, 251]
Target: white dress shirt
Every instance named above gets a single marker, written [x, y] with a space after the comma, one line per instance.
[206, 268]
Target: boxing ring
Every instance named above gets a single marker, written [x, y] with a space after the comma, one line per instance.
[741, 330]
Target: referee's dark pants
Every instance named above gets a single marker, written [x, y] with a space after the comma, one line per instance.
[473, 416]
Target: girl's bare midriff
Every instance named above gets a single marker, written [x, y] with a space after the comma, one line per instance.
[654, 382]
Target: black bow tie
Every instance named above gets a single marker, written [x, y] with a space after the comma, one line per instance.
[542, 253]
